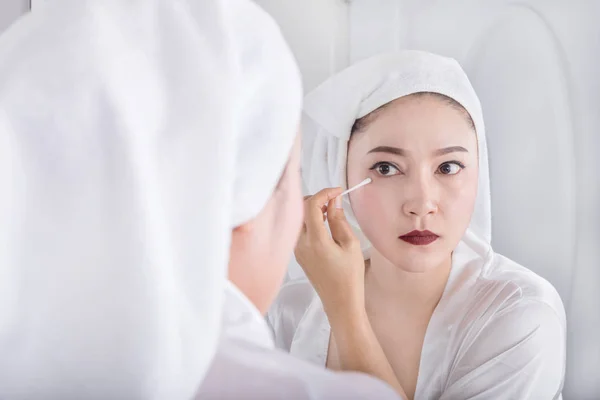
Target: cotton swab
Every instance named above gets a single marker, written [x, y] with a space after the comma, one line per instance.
[363, 183]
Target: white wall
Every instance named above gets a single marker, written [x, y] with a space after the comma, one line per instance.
[317, 31]
[10, 10]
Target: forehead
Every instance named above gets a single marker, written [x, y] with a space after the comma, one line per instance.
[418, 123]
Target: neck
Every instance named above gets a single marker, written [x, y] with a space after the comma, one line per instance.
[418, 291]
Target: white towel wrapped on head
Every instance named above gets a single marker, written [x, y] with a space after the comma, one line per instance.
[331, 109]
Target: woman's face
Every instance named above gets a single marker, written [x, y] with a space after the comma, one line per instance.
[421, 153]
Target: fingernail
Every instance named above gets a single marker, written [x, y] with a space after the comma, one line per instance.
[338, 202]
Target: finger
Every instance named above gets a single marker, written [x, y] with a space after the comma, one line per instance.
[314, 208]
[324, 208]
[301, 240]
[322, 197]
[304, 228]
[309, 226]
[341, 231]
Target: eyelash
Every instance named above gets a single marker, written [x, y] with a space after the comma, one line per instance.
[379, 164]
[458, 163]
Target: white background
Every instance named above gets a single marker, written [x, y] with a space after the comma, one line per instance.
[11, 10]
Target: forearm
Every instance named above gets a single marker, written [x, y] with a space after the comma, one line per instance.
[359, 350]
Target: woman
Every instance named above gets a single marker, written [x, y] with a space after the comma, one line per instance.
[408, 280]
[247, 364]
[133, 137]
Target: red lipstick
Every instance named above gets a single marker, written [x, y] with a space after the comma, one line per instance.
[420, 238]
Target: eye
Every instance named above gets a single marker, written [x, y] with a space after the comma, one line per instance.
[385, 169]
[450, 168]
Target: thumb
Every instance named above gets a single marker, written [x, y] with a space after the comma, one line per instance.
[341, 231]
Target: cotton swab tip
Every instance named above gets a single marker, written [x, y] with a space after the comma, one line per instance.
[363, 183]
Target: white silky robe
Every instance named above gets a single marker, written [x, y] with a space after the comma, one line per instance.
[248, 366]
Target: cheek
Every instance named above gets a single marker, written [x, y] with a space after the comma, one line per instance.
[355, 176]
[278, 246]
[457, 201]
[375, 209]
[356, 172]
[292, 212]
[297, 216]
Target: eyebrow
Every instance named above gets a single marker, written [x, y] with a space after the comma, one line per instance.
[401, 152]
[451, 149]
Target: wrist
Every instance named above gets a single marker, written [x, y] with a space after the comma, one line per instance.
[347, 315]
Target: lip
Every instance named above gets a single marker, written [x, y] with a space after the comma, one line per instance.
[419, 238]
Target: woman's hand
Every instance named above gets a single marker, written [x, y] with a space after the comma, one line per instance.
[333, 263]
[336, 268]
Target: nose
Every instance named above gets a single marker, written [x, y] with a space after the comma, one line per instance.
[420, 201]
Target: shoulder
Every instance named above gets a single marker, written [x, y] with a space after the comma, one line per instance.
[326, 384]
[514, 331]
[492, 282]
[287, 310]
[517, 291]
[511, 307]
[273, 374]
[294, 297]
[527, 310]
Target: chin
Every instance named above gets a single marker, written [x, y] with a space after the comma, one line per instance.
[418, 259]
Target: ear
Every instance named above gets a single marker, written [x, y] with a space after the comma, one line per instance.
[244, 228]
